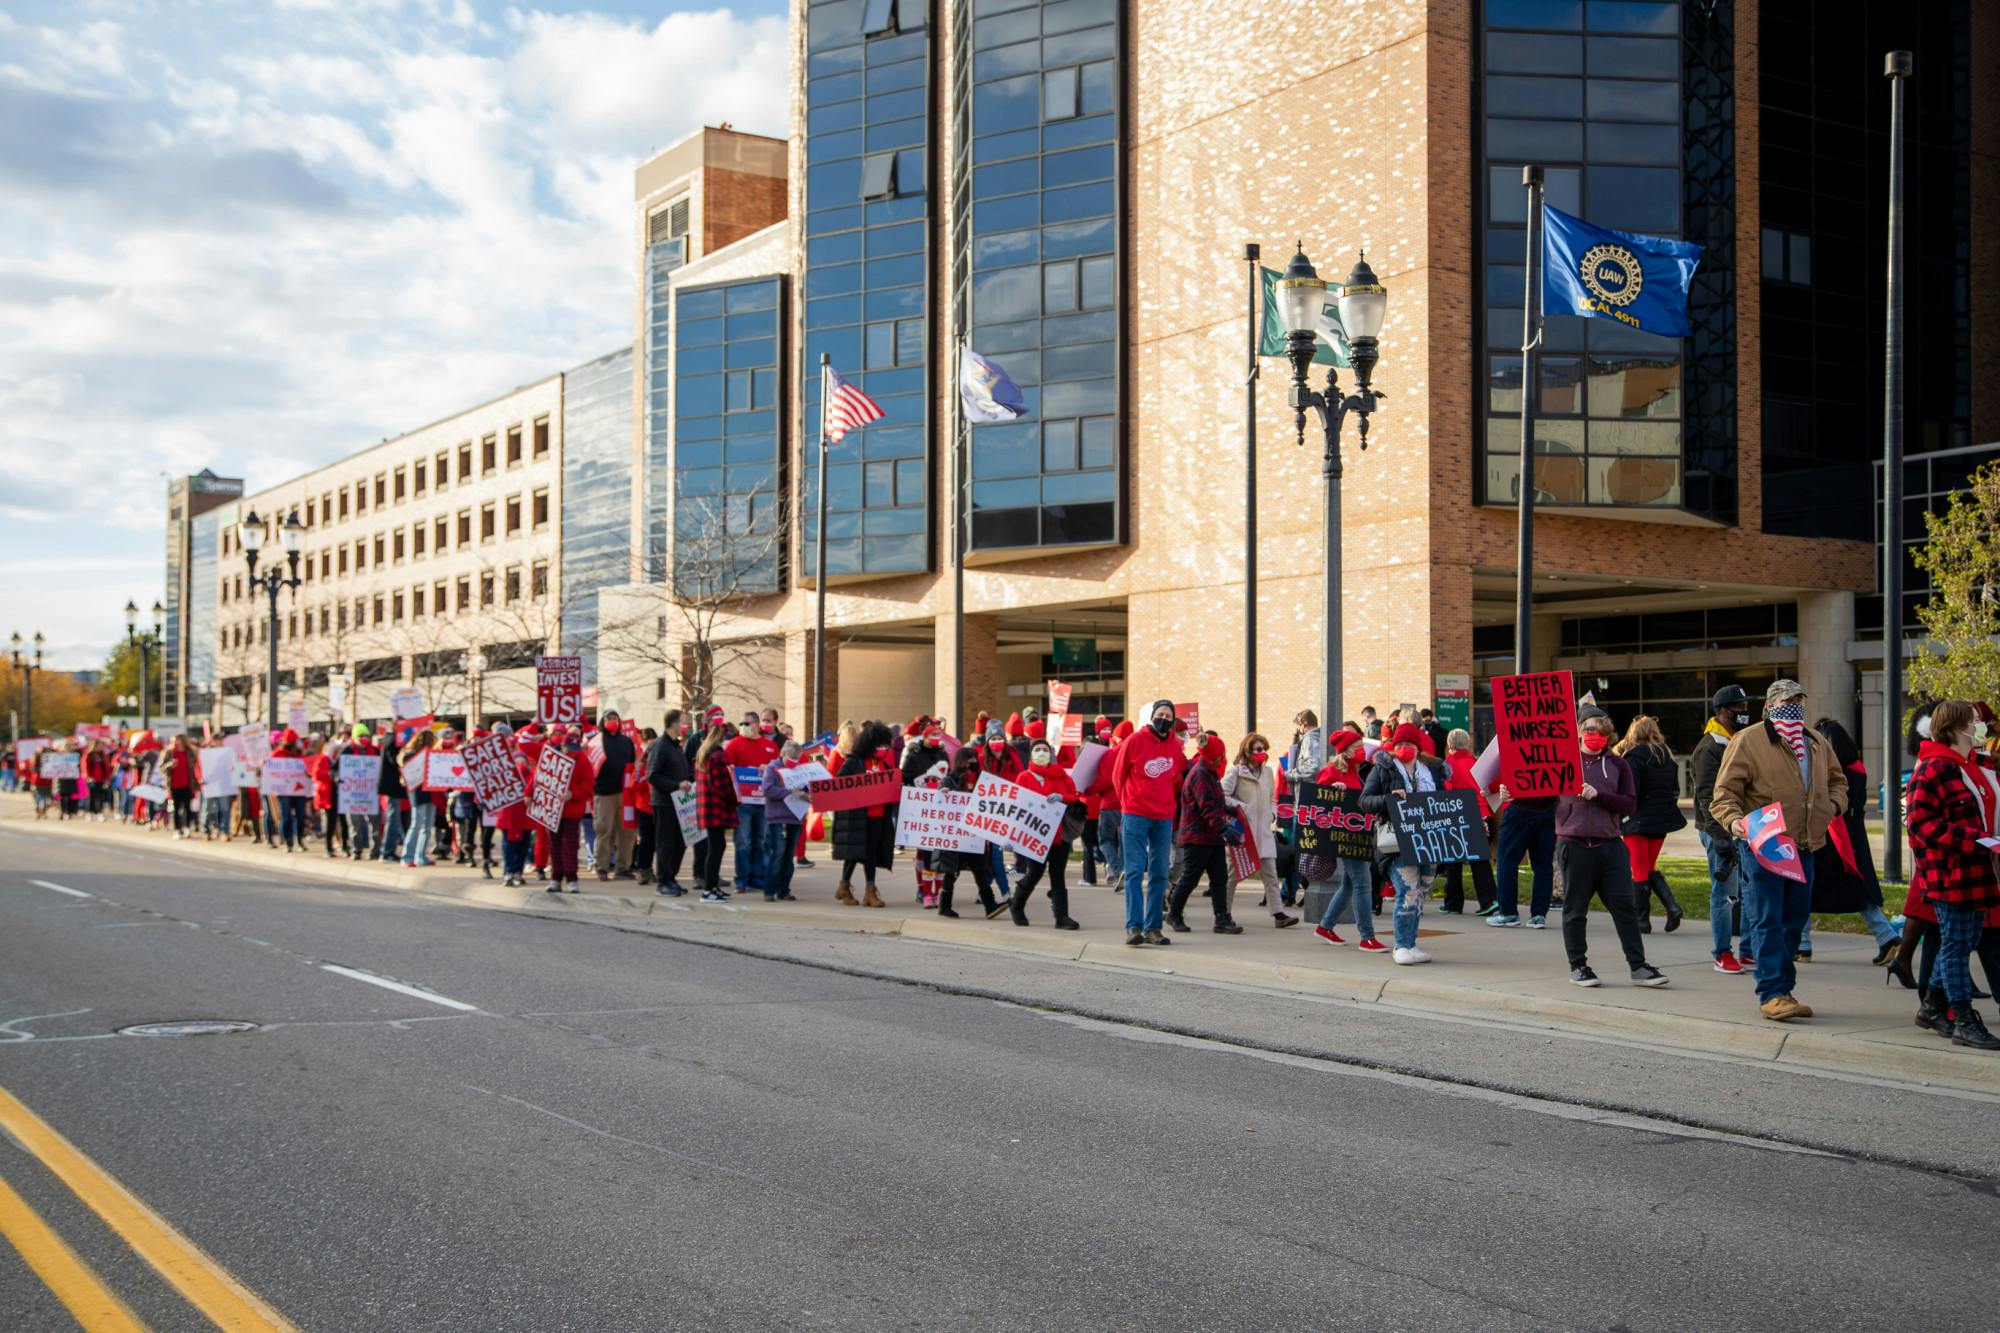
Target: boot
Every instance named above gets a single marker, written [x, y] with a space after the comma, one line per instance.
[1642, 903]
[1672, 904]
[1899, 966]
[944, 895]
[1969, 1031]
[1059, 903]
[845, 894]
[1934, 1013]
[1176, 904]
[870, 898]
[1015, 911]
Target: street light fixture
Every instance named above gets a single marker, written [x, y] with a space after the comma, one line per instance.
[475, 668]
[27, 665]
[291, 536]
[1363, 303]
[145, 643]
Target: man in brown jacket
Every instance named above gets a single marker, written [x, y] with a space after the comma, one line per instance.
[1786, 762]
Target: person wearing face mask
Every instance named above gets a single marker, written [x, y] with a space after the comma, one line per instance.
[1402, 770]
[1728, 713]
[1954, 819]
[1044, 778]
[924, 753]
[998, 756]
[964, 776]
[1352, 879]
[614, 841]
[1590, 847]
[1251, 783]
[715, 809]
[750, 748]
[1201, 836]
[669, 774]
[1111, 809]
[1787, 763]
[781, 824]
[576, 804]
[1147, 772]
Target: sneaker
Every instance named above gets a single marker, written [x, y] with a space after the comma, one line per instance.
[1725, 963]
[1503, 919]
[1648, 975]
[1372, 945]
[572, 887]
[1538, 923]
[1450, 911]
[1134, 938]
[1803, 956]
[1488, 910]
[1283, 919]
[1583, 976]
[1411, 957]
[1328, 935]
[714, 896]
[552, 887]
[1779, 1008]
[1743, 957]
[1154, 937]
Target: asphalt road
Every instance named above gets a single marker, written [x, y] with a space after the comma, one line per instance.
[622, 1131]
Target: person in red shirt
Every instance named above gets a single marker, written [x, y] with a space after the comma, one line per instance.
[563, 846]
[1352, 878]
[750, 748]
[1147, 773]
[1045, 778]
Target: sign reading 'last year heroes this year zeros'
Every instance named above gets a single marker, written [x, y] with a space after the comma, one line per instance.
[1535, 717]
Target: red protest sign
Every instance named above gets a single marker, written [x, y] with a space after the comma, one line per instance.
[1059, 695]
[1535, 716]
[551, 790]
[496, 783]
[1190, 714]
[857, 791]
[558, 690]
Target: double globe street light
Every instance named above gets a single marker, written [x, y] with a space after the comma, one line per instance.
[292, 535]
[145, 643]
[1302, 302]
[27, 666]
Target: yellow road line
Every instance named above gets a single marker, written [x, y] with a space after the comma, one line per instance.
[96, 1307]
[207, 1285]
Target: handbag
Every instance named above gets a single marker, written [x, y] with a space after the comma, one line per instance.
[1072, 824]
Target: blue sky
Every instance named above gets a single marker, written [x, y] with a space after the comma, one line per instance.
[256, 235]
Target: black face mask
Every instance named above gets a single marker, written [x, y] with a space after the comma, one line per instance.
[1741, 720]
[1161, 726]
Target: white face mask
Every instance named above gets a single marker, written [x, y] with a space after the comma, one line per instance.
[1978, 733]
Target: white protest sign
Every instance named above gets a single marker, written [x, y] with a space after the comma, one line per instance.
[446, 771]
[217, 778]
[800, 776]
[256, 743]
[67, 765]
[286, 777]
[358, 775]
[406, 701]
[295, 716]
[932, 819]
[1486, 768]
[243, 775]
[413, 773]
[1084, 771]
[149, 791]
[684, 810]
[551, 788]
[1011, 815]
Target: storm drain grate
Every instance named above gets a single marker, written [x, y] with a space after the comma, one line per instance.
[189, 1027]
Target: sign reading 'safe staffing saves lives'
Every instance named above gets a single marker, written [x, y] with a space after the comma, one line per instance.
[1535, 716]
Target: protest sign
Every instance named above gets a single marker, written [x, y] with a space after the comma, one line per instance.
[1486, 768]
[444, 770]
[1191, 715]
[336, 697]
[857, 791]
[551, 788]
[256, 743]
[234, 744]
[749, 784]
[406, 727]
[1330, 822]
[1439, 827]
[28, 747]
[932, 819]
[1242, 861]
[243, 775]
[803, 775]
[1535, 716]
[496, 782]
[286, 777]
[150, 791]
[685, 811]
[63, 766]
[406, 701]
[558, 690]
[94, 731]
[413, 773]
[358, 775]
[1011, 815]
[1059, 695]
[1764, 832]
[216, 772]
[1065, 729]
[1084, 771]
[295, 716]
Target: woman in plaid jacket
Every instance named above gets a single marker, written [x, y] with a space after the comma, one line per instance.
[714, 808]
[1954, 804]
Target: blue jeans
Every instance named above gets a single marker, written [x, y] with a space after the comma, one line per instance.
[389, 846]
[514, 854]
[1356, 885]
[215, 814]
[1109, 825]
[423, 821]
[1871, 917]
[292, 819]
[1148, 846]
[1959, 929]
[779, 839]
[1412, 884]
[1775, 912]
[1725, 891]
[996, 856]
[1530, 834]
[752, 856]
[360, 828]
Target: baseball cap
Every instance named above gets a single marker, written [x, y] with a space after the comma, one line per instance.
[1726, 696]
[1782, 689]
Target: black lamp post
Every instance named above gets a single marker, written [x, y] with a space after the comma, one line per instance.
[27, 666]
[145, 644]
[291, 534]
[1363, 302]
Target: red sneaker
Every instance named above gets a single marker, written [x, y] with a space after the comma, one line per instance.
[1372, 946]
[1725, 962]
[1327, 935]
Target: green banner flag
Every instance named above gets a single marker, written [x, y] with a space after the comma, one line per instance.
[1331, 348]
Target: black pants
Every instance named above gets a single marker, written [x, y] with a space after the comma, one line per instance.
[183, 799]
[642, 849]
[981, 866]
[708, 859]
[668, 845]
[336, 831]
[1454, 883]
[1197, 860]
[1604, 871]
[1058, 890]
[867, 872]
[1090, 850]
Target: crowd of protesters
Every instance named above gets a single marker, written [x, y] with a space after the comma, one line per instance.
[1162, 813]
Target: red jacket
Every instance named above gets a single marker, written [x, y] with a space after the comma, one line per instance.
[1004, 762]
[513, 821]
[1050, 781]
[320, 769]
[1461, 762]
[1148, 774]
[1952, 804]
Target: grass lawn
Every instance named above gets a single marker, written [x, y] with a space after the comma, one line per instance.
[1688, 877]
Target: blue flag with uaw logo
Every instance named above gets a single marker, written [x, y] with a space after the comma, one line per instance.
[1640, 281]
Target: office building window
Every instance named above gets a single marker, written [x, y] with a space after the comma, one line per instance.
[417, 533]
[399, 485]
[538, 580]
[465, 527]
[360, 497]
[486, 514]
[340, 617]
[312, 508]
[728, 420]
[486, 589]
[513, 445]
[396, 550]
[513, 584]
[513, 514]
[378, 608]
[437, 598]
[381, 546]
[381, 489]
[465, 462]
[418, 472]
[443, 465]
[324, 620]
[396, 607]
[489, 454]
[441, 533]
[417, 603]
[343, 559]
[326, 506]
[541, 507]
[541, 428]
[464, 592]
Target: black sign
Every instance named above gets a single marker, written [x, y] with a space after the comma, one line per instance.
[1439, 827]
[1330, 822]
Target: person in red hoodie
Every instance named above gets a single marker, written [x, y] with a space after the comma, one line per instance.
[1110, 812]
[319, 768]
[1147, 773]
[1045, 778]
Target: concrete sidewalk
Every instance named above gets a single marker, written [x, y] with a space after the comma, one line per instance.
[1518, 975]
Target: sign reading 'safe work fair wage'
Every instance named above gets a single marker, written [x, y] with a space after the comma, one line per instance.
[1535, 716]
[1437, 828]
[496, 783]
[558, 690]
[1331, 822]
[551, 790]
[1011, 815]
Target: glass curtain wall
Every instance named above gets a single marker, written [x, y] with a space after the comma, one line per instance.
[204, 568]
[663, 256]
[728, 489]
[1590, 90]
[1035, 263]
[867, 285]
[596, 495]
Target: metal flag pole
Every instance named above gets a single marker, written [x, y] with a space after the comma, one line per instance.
[819, 566]
[1531, 337]
[1251, 253]
[1898, 68]
[958, 506]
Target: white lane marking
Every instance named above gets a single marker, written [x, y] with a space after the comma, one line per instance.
[10, 1031]
[44, 884]
[397, 986]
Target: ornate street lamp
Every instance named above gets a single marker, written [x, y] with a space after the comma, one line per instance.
[145, 643]
[27, 665]
[292, 535]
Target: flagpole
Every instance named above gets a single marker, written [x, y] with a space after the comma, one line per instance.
[1531, 337]
[958, 534]
[819, 567]
[1251, 254]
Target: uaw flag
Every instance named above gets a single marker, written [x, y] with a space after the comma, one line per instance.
[1774, 849]
[1640, 281]
[1330, 342]
[986, 391]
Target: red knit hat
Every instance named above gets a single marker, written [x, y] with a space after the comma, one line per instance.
[1408, 733]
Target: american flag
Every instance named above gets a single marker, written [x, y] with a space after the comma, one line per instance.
[846, 407]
